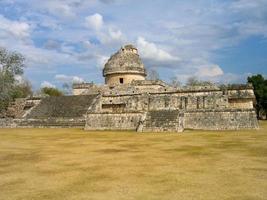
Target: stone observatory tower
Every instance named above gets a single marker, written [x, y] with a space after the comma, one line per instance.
[124, 66]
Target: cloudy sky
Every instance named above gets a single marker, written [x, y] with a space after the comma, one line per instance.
[70, 40]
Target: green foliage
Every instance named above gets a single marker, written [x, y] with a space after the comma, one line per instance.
[11, 65]
[22, 90]
[51, 91]
[260, 89]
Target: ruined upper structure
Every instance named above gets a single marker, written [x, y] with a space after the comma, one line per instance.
[124, 66]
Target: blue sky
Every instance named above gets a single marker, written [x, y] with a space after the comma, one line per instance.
[70, 40]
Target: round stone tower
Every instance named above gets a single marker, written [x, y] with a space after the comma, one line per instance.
[124, 66]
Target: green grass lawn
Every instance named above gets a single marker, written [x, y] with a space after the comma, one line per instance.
[75, 164]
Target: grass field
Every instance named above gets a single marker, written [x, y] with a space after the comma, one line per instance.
[74, 164]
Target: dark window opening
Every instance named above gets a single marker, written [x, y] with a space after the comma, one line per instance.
[167, 102]
[121, 80]
[181, 102]
[185, 102]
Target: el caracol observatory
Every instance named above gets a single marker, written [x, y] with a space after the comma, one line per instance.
[124, 66]
[127, 101]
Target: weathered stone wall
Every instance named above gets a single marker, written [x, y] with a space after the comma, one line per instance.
[131, 103]
[187, 101]
[43, 123]
[88, 88]
[241, 103]
[109, 121]
[228, 119]
[127, 78]
[164, 101]
[240, 93]
[7, 123]
[81, 91]
[54, 122]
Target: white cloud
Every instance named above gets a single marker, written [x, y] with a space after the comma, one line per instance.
[87, 44]
[56, 7]
[71, 79]
[94, 21]
[19, 30]
[231, 78]
[150, 50]
[106, 33]
[52, 44]
[101, 61]
[115, 34]
[76, 79]
[47, 84]
[209, 71]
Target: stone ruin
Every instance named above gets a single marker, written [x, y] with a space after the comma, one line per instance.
[127, 101]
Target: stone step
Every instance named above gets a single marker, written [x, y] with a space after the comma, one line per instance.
[64, 107]
[54, 123]
[162, 120]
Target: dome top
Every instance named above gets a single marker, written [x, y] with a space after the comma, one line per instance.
[129, 47]
[124, 61]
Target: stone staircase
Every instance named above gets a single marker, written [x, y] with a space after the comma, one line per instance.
[163, 120]
[64, 111]
[62, 107]
[16, 109]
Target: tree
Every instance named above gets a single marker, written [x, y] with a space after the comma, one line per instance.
[153, 75]
[51, 91]
[67, 88]
[194, 81]
[11, 65]
[22, 90]
[174, 81]
[260, 91]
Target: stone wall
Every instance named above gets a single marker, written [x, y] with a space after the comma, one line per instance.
[87, 88]
[241, 103]
[165, 101]
[51, 123]
[132, 103]
[109, 121]
[228, 119]
[125, 78]
[43, 123]
[7, 123]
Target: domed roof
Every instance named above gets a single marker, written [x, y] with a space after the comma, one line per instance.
[124, 61]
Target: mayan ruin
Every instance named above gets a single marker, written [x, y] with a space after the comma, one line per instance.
[133, 100]
[127, 101]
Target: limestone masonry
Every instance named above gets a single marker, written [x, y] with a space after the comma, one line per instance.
[127, 101]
